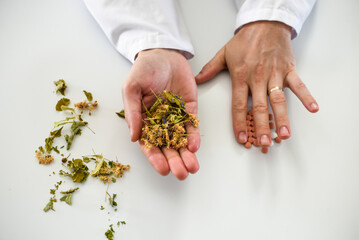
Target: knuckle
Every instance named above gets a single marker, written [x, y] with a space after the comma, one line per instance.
[277, 98]
[282, 120]
[240, 74]
[239, 107]
[260, 107]
[239, 125]
[299, 85]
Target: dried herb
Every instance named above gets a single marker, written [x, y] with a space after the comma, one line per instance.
[60, 86]
[84, 105]
[121, 114]
[165, 122]
[63, 102]
[43, 158]
[50, 205]
[88, 95]
[102, 208]
[109, 233]
[78, 170]
[68, 195]
[121, 222]
[107, 170]
[111, 200]
[75, 130]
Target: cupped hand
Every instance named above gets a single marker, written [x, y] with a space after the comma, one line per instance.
[153, 71]
[260, 58]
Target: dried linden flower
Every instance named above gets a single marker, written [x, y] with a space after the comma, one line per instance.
[44, 159]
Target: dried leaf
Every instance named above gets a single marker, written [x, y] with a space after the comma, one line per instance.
[88, 95]
[60, 86]
[68, 196]
[49, 205]
[112, 201]
[121, 114]
[63, 102]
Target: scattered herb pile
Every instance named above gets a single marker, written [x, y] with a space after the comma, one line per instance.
[77, 169]
[165, 122]
[73, 121]
[252, 137]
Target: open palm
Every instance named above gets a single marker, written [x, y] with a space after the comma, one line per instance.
[154, 71]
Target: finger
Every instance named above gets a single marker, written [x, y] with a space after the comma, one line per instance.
[156, 158]
[239, 105]
[279, 106]
[131, 96]
[214, 66]
[190, 160]
[302, 92]
[260, 114]
[193, 137]
[175, 163]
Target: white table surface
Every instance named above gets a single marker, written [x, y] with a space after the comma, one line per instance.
[304, 188]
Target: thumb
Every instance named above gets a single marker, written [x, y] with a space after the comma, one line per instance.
[217, 64]
[132, 102]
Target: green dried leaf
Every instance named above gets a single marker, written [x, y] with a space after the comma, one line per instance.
[55, 149]
[121, 114]
[63, 102]
[41, 149]
[56, 133]
[60, 86]
[174, 99]
[68, 196]
[109, 234]
[121, 222]
[75, 130]
[48, 144]
[80, 176]
[88, 95]
[49, 205]
[79, 171]
[70, 191]
[112, 201]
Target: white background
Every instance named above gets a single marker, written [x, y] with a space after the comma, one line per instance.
[304, 188]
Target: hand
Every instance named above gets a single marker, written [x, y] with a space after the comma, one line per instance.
[259, 57]
[157, 70]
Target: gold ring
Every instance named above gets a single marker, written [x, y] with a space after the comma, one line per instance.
[276, 88]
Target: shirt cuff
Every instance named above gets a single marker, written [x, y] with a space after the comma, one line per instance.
[132, 46]
[269, 15]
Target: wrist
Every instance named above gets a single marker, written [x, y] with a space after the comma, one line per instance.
[269, 27]
[156, 51]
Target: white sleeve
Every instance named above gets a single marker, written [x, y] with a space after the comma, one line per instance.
[291, 12]
[136, 25]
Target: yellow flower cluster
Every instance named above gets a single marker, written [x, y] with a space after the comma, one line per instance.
[44, 159]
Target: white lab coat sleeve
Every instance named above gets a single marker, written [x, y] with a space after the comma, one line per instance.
[136, 25]
[291, 12]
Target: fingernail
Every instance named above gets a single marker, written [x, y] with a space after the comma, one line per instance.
[283, 132]
[265, 140]
[242, 137]
[314, 106]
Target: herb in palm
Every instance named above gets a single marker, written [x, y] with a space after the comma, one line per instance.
[165, 122]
